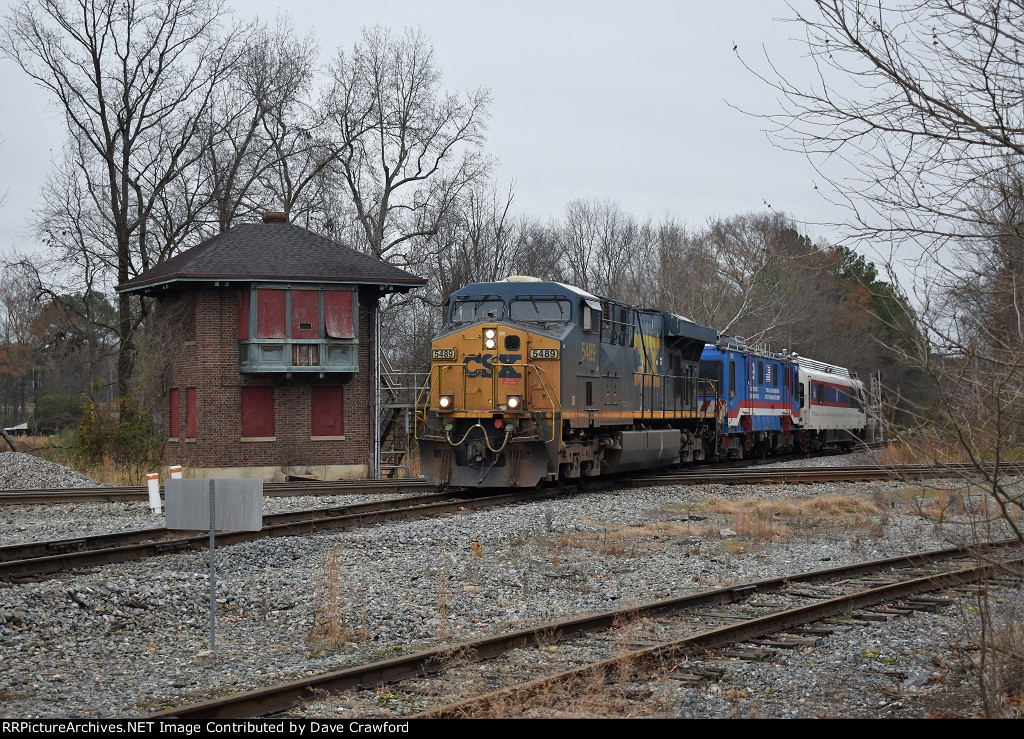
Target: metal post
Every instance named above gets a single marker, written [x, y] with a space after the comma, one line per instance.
[878, 405]
[875, 408]
[213, 586]
[375, 450]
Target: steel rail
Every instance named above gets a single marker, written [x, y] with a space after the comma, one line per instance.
[750, 476]
[743, 475]
[713, 639]
[53, 556]
[99, 541]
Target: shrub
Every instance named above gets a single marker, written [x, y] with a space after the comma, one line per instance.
[126, 437]
[55, 413]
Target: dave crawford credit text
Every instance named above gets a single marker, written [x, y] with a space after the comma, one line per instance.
[188, 728]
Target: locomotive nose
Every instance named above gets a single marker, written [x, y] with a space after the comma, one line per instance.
[483, 371]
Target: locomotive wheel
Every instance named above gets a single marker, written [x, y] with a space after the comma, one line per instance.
[563, 474]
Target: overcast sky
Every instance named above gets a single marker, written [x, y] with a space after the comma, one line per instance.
[624, 101]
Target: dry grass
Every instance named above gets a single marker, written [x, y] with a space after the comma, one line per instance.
[334, 623]
[597, 694]
[30, 444]
[925, 448]
[937, 505]
[784, 518]
[588, 695]
[1008, 650]
[920, 451]
[755, 519]
[443, 597]
[619, 540]
[994, 654]
[451, 666]
[49, 448]
[940, 504]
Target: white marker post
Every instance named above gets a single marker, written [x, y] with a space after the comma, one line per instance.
[153, 482]
[175, 471]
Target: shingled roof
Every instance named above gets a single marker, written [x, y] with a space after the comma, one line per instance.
[273, 251]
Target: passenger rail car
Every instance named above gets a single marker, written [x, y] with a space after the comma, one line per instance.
[832, 402]
[534, 381]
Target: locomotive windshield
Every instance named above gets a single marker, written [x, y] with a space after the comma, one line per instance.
[540, 311]
[471, 310]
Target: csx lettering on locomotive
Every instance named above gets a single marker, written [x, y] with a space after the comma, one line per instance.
[486, 362]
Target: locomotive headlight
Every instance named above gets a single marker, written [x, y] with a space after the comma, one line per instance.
[445, 402]
[513, 402]
[490, 338]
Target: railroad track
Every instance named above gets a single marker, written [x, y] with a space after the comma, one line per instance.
[747, 475]
[761, 615]
[42, 558]
[270, 489]
[857, 473]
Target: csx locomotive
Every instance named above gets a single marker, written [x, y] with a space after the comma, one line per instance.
[535, 381]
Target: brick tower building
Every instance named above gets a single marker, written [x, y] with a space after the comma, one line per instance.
[271, 364]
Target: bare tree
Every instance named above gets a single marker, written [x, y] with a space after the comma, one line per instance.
[407, 151]
[923, 103]
[914, 116]
[273, 68]
[73, 272]
[477, 241]
[606, 250]
[923, 100]
[20, 303]
[135, 83]
[751, 275]
[3, 196]
[301, 178]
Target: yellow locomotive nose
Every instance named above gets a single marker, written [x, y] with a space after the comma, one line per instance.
[481, 372]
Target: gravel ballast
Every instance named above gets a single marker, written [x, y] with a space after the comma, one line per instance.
[122, 640]
[20, 471]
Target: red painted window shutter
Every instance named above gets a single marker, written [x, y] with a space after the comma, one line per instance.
[326, 406]
[270, 314]
[257, 411]
[305, 314]
[175, 413]
[243, 314]
[338, 313]
[190, 413]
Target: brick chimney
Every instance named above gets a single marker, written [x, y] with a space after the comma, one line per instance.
[275, 216]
